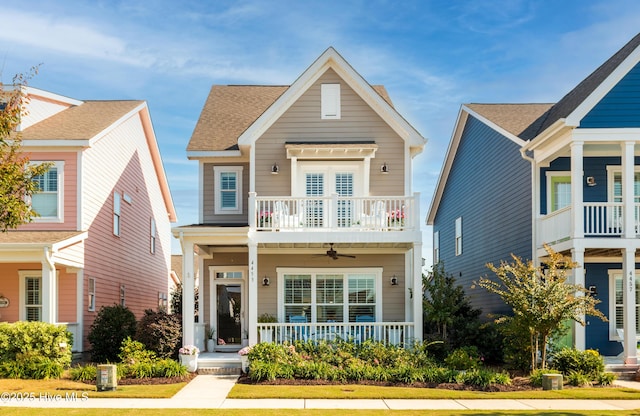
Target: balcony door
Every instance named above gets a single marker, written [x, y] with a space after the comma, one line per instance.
[318, 181]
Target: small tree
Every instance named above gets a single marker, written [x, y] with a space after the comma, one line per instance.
[160, 333]
[17, 174]
[112, 325]
[541, 298]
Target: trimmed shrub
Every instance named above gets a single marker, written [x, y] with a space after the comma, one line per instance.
[112, 326]
[34, 350]
[606, 379]
[579, 379]
[464, 358]
[569, 360]
[84, 373]
[132, 352]
[160, 332]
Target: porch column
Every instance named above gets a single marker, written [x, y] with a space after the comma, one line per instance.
[78, 341]
[417, 290]
[628, 199]
[253, 293]
[188, 302]
[629, 302]
[579, 331]
[49, 289]
[577, 174]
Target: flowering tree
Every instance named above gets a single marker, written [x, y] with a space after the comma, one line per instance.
[17, 174]
[541, 298]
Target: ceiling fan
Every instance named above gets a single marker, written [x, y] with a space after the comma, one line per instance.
[334, 254]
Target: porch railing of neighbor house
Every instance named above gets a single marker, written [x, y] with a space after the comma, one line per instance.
[334, 212]
[393, 333]
[600, 219]
[75, 329]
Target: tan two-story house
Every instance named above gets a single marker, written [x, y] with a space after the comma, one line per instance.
[307, 213]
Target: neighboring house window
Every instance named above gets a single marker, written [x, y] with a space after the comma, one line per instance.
[436, 247]
[117, 203]
[33, 298]
[123, 302]
[48, 200]
[330, 101]
[559, 190]
[92, 294]
[162, 301]
[458, 236]
[616, 307]
[153, 236]
[228, 183]
[331, 296]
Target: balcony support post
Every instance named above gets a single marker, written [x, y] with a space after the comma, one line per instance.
[628, 199]
[577, 173]
[579, 331]
[629, 302]
[252, 305]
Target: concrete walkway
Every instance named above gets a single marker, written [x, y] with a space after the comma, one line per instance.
[210, 392]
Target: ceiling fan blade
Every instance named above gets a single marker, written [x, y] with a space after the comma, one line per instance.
[346, 255]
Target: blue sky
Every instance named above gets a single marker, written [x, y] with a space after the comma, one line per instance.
[432, 55]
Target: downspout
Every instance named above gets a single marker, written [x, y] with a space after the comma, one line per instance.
[534, 239]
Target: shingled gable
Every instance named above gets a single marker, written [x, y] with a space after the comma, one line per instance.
[235, 115]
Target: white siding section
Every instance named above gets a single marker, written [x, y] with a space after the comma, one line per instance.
[40, 109]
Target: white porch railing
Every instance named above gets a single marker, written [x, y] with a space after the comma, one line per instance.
[600, 219]
[75, 329]
[334, 212]
[393, 333]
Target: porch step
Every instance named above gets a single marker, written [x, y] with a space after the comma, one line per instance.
[222, 363]
[624, 372]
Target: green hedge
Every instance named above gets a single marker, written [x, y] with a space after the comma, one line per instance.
[34, 350]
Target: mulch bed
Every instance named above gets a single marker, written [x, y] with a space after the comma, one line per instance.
[151, 380]
[517, 384]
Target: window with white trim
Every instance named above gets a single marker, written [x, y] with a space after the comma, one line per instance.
[117, 205]
[458, 236]
[33, 298]
[48, 200]
[162, 301]
[330, 295]
[228, 185]
[123, 301]
[92, 294]
[436, 247]
[616, 305]
[558, 190]
[330, 101]
[152, 233]
[614, 188]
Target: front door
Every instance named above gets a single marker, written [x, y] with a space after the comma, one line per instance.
[228, 307]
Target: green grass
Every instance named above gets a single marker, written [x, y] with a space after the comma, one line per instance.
[292, 412]
[64, 386]
[356, 391]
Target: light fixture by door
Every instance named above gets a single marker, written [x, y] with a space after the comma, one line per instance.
[266, 281]
[384, 168]
[275, 169]
[394, 280]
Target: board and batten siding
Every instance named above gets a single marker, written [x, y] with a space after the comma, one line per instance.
[121, 162]
[209, 193]
[620, 107]
[302, 123]
[69, 191]
[489, 187]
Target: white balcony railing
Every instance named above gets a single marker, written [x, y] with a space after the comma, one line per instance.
[601, 219]
[393, 333]
[334, 212]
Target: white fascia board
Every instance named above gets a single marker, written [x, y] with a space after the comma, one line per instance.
[116, 123]
[51, 96]
[601, 90]
[629, 134]
[48, 145]
[207, 154]
[461, 120]
[542, 138]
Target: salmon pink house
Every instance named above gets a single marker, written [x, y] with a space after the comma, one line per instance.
[309, 226]
[105, 211]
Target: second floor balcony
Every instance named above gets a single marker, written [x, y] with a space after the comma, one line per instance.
[599, 219]
[334, 212]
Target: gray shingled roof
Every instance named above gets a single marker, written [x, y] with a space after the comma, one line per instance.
[517, 119]
[80, 122]
[231, 109]
[36, 237]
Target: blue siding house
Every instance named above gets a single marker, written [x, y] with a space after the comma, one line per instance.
[517, 176]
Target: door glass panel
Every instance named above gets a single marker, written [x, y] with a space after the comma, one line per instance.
[329, 298]
[315, 207]
[619, 305]
[229, 301]
[344, 187]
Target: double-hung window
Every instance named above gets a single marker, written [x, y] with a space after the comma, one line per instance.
[30, 295]
[558, 190]
[616, 305]
[228, 185]
[458, 240]
[92, 294]
[330, 295]
[436, 247]
[117, 205]
[614, 174]
[152, 232]
[47, 200]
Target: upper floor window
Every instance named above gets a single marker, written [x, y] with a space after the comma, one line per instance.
[47, 201]
[123, 301]
[330, 101]
[92, 294]
[458, 236]
[615, 184]
[117, 203]
[436, 247]
[153, 236]
[558, 190]
[228, 185]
